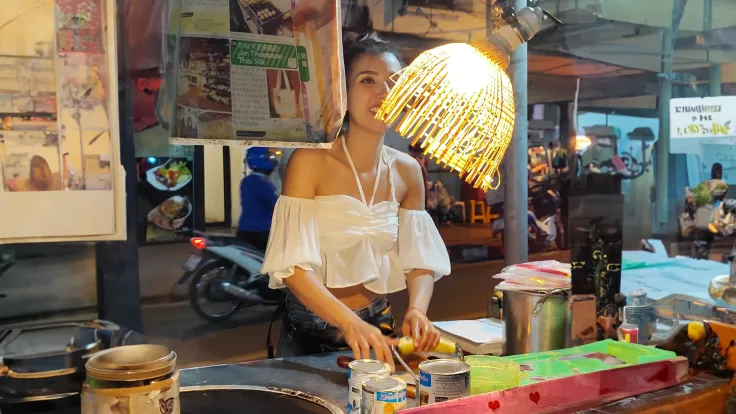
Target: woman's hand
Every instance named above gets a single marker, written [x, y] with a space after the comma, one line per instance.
[417, 325]
[362, 337]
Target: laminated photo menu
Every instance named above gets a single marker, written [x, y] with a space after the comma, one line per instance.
[255, 72]
[60, 174]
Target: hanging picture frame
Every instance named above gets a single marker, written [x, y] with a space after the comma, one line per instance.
[61, 179]
[251, 76]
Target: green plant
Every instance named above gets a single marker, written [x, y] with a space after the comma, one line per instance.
[701, 195]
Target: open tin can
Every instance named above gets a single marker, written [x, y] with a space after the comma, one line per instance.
[140, 379]
[443, 379]
[383, 395]
[359, 371]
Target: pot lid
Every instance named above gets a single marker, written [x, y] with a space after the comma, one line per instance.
[132, 363]
[46, 347]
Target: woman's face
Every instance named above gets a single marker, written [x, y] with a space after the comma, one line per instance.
[369, 81]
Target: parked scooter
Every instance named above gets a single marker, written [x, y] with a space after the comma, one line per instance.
[224, 276]
[543, 229]
[708, 214]
[542, 233]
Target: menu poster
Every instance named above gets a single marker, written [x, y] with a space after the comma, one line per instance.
[256, 72]
[165, 192]
[60, 173]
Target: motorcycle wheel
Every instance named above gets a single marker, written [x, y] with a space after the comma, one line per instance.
[210, 292]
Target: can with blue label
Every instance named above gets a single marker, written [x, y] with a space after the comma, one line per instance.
[383, 395]
[359, 371]
[443, 379]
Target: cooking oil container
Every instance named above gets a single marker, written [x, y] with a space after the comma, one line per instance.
[140, 379]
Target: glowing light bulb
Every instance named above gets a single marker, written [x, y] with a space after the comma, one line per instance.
[466, 68]
[582, 143]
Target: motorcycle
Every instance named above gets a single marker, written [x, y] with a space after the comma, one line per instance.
[542, 233]
[225, 274]
[708, 215]
[543, 230]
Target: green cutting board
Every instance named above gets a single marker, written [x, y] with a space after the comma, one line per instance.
[598, 356]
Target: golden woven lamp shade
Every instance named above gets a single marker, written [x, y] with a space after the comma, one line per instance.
[458, 101]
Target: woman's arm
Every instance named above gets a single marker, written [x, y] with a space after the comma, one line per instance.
[420, 282]
[359, 335]
[300, 181]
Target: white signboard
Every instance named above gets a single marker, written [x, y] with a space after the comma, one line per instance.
[698, 121]
[60, 172]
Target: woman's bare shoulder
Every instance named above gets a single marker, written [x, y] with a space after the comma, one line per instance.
[305, 157]
[406, 166]
[303, 172]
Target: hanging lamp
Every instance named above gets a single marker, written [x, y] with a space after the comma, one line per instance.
[459, 102]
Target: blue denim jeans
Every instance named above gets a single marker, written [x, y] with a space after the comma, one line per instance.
[305, 333]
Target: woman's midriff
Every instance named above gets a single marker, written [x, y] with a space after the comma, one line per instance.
[355, 297]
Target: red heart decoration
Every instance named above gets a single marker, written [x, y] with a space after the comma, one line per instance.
[535, 397]
[494, 405]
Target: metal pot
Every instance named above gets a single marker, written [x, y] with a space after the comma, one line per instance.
[140, 376]
[55, 404]
[535, 321]
[26, 374]
[20, 387]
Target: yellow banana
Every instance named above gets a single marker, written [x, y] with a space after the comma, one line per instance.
[446, 346]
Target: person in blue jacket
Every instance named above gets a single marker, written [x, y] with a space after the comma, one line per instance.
[257, 197]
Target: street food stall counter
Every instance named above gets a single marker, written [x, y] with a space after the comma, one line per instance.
[320, 386]
[317, 380]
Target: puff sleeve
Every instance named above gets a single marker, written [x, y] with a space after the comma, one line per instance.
[293, 240]
[420, 244]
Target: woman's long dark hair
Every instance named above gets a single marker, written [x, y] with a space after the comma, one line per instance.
[354, 45]
[38, 162]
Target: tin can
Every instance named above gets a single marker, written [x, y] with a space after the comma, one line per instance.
[442, 380]
[359, 371]
[140, 379]
[383, 395]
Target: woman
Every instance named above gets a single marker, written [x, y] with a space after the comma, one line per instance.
[350, 227]
[40, 175]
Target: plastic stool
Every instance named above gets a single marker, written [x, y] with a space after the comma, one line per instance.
[461, 204]
[474, 215]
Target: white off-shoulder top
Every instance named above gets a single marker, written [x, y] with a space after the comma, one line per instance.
[347, 242]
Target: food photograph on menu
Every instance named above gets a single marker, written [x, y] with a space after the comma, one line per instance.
[165, 198]
[204, 74]
[264, 17]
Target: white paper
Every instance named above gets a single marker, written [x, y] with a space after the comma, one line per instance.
[480, 331]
